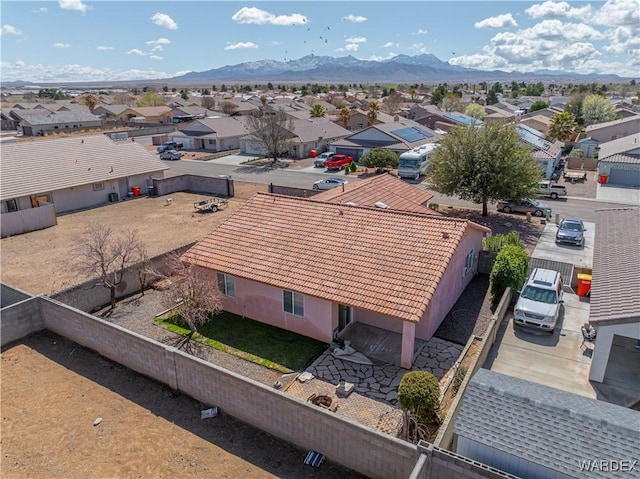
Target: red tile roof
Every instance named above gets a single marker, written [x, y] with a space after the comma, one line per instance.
[393, 192]
[380, 260]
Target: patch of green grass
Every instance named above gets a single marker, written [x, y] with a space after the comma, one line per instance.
[253, 341]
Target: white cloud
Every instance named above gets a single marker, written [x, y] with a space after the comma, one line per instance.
[74, 5]
[61, 45]
[255, 16]
[390, 44]
[419, 48]
[499, 21]
[354, 18]
[159, 41]
[275, 43]
[240, 46]
[356, 40]
[615, 13]
[349, 47]
[10, 30]
[379, 58]
[40, 10]
[135, 51]
[155, 57]
[421, 32]
[164, 20]
[104, 48]
[551, 9]
[555, 29]
[64, 73]
[157, 48]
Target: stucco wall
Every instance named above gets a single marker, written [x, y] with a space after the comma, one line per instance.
[263, 303]
[221, 186]
[20, 319]
[30, 219]
[603, 344]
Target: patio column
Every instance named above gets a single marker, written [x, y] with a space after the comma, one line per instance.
[408, 344]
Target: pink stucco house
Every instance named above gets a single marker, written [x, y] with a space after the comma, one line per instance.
[315, 267]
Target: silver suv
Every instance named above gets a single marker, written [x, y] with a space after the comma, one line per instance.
[319, 161]
[539, 303]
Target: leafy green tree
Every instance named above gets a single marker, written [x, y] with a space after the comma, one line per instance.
[318, 111]
[538, 105]
[492, 96]
[438, 95]
[419, 393]
[536, 89]
[574, 106]
[344, 116]
[483, 164]
[509, 270]
[597, 109]
[184, 94]
[475, 111]
[563, 126]
[151, 99]
[379, 158]
[165, 88]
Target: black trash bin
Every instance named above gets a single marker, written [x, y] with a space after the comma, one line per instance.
[113, 197]
[151, 190]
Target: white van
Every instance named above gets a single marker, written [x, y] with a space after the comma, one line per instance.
[539, 303]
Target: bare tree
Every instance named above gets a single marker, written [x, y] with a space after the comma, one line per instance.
[344, 116]
[194, 295]
[122, 98]
[272, 131]
[228, 107]
[208, 102]
[372, 112]
[106, 254]
[392, 103]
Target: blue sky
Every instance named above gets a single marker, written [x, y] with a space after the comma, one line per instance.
[74, 40]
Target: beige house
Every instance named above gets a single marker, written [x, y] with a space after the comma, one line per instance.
[147, 114]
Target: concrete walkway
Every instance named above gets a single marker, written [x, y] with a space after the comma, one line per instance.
[614, 194]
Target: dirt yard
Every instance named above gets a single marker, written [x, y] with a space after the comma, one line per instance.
[41, 261]
[53, 390]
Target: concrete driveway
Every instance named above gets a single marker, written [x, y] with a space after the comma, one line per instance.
[578, 257]
[557, 360]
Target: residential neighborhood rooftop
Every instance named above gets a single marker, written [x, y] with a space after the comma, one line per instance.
[380, 260]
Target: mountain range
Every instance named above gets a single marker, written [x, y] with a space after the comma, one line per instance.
[422, 68]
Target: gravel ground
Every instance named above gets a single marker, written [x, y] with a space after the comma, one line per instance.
[581, 189]
[137, 313]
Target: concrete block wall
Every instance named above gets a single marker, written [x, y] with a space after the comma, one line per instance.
[136, 352]
[20, 319]
[221, 186]
[343, 441]
[10, 295]
[291, 191]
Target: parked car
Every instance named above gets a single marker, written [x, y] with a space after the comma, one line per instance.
[329, 183]
[170, 155]
[526, 205]
[169, 145]
[338, 162]
[571, 231]
[319, 161]
[539, 303]
[552, 190]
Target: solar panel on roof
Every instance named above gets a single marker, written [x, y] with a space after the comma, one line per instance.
[529, 137]
[423, 131]
[412, 134]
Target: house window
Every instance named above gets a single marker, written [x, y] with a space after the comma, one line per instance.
[293, 302]
[98, 186]
[468, 263]
[226, 284]
[12, 205]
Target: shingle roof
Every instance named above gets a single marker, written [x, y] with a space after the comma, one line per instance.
[49, 165]
[545, 425]
[615, 288]
[385, 261]
[622, 158]
[393, 192]
[607, 124]
[61, 117]
[626, 144]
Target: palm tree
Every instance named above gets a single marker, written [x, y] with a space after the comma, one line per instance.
[318, 111]
[372, 114]
[563, 126]
[344, 116]
[91, 101]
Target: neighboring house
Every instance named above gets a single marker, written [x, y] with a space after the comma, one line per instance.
[589, 146]
[359, 120]
[615, 299]
[196, 112]
[540, 122]
[612, 130]
[306, 135]
[62, 121]
[434, 118]
[498, 114]
[399, 136]
[619, 161]
[212, 134]
[547, 151]
[70, 174]
[112, 113]
[147, 114]
[538, 432]
[314, 267]
[386, 189]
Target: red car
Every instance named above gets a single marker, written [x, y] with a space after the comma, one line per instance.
[338, 162]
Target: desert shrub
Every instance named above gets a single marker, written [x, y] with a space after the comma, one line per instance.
[495, 243]
[379, 158]
[509, 270]
[419, 393]
[353, 167]
[576, 153]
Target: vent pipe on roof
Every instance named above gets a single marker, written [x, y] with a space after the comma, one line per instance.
[380, 204]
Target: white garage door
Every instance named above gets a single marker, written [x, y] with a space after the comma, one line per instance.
[624, 175]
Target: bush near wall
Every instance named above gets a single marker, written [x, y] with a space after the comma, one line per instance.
[509, 270]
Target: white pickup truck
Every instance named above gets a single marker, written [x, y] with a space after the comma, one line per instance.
[552, 190]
